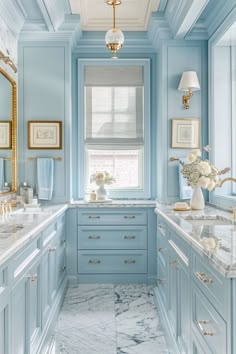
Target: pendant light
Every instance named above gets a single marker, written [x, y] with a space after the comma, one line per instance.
[114, 37]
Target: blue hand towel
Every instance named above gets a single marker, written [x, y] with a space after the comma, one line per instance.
[1, 172]
[45, 170]
[185, 191]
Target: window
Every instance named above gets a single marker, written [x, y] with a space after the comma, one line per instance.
[115, 136]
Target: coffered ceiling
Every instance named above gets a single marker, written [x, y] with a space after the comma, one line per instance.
[131, 15]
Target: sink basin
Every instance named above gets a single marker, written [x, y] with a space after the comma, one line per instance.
[207, 220]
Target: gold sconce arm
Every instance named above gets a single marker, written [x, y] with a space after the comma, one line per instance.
[186, 99]
[7, 60]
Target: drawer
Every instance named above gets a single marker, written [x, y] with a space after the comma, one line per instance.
[25, 259]
[214, 285]
[60, 221]
[48, 234]
[162, 283]
[207, 324]
[104, 237]
[108, 262]
[162, 245]
[161, 226]
[180, 248]
[112, 218]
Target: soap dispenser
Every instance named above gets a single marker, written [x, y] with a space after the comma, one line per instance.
[27, 193]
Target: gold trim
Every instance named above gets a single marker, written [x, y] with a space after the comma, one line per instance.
[13, 133]
[30, 147]
[35, 158]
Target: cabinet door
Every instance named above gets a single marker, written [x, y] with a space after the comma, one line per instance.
[172, 286]
[4, 324]
[26, 310]
[184, 319]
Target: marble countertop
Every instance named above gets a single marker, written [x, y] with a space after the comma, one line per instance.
[217, 243]
[20, 227]
[114, 203]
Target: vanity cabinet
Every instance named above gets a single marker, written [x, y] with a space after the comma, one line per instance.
[195, 301]
[113, 245]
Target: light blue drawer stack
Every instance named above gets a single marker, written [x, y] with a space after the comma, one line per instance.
[112, 245]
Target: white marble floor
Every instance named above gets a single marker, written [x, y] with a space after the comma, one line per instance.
[109, 319]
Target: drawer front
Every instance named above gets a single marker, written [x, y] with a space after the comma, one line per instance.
[60, 221]
[162, 283]
[207, 324]
[180, 248]
[161, 226]
[214, 286]
[48, 234]
[112, 218]
[107, 262]
[99, 237]
[162, 248]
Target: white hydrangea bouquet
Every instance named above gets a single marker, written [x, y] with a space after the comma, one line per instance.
[101, 178]
[201, 173]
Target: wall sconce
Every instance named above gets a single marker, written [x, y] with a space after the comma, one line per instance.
[189, 83]
[8, 61]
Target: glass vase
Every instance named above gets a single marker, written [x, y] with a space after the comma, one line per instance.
[197, 201]
[102, 193]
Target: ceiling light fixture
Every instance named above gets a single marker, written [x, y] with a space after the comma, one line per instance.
[114, 37]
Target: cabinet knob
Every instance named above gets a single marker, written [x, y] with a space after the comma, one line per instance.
[161, 281]
[63, 268]
[160, 226]
[52, 249]
[173, 264]
[161, 249]
[200, 324]
[129, 217]
[203, 278]
[94, 237]
[94, 261]
[129, 261]
[129, 237]
[32, 277]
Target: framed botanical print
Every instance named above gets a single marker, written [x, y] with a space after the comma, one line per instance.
[185, 133]
[5, 134]
[44, 134]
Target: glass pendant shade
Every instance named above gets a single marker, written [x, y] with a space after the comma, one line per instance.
[114, 40]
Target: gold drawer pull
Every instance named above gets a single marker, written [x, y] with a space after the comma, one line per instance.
[94, 217]
[129, 237]
[129, 261]
[94, 261]
[203, 278]
[63, 269]
[200, 324]
[129, 217]
[32, 277]
[161, 281]
[52, 249]
[173, 264]
[94, 237]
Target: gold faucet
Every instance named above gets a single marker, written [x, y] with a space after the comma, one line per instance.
[225, 180]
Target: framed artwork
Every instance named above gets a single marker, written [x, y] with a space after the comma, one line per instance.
[44, 134]
[185, 133]
[5, 134]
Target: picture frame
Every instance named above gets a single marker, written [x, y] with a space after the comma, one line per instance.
[44, 134]
[5, 134]
[185, 133]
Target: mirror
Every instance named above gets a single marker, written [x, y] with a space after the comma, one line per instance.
[8, 153]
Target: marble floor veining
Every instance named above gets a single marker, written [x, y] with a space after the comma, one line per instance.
[109, 319]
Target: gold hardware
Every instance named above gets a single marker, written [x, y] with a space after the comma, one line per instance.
[52, 249]
[94, 237]
[94, 261]
[114, 37]
[226, 180]
[129, 237]
[186, 99]
[129, 261]
[202, 277]
[172, 158]
[173, 264]
[202, 330]
[161, 281]
[7, 60]
[94, 217]
[129, 217]
[32, 277]
[54, 158]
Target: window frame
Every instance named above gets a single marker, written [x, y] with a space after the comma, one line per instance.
[127, 193]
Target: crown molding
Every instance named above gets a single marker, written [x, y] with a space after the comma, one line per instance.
[198, 32]
[12, 15]
[52, 12]
[158, 30]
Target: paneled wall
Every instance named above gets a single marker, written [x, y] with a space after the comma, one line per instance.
[174, 58]
[45, 94]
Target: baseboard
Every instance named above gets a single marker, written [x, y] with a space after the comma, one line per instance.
[112, 279]
[50, 325]
[171, 343]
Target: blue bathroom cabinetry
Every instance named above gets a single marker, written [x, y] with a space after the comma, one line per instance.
[32, 285]
[195, 300]
[112, 245]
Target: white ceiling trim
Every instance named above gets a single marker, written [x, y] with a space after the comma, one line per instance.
[131, 15]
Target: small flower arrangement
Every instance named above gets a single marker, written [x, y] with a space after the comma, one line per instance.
[201, 173]
[101, 178]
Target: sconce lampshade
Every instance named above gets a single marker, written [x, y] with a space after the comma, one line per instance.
[189, 81]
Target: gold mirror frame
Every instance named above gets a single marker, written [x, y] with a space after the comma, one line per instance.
[13, 133]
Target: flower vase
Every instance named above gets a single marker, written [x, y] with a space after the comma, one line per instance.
[102, 193]
[197, 201]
